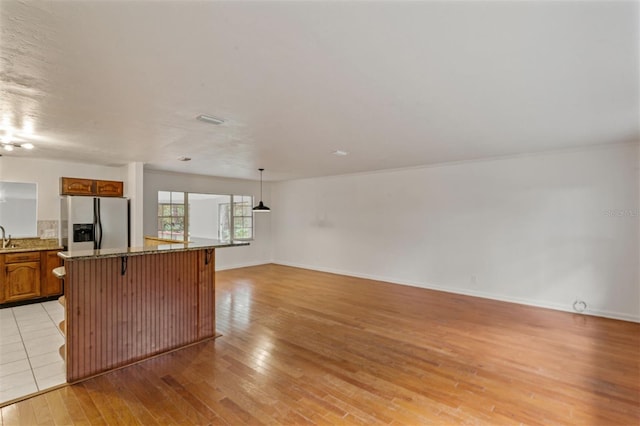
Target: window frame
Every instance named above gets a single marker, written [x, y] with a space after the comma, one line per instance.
[232, 204]
[232, 216]
[184, 216]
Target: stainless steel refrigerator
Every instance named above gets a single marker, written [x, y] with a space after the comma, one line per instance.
[94, 223]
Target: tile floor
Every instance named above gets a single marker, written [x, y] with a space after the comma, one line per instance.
[29, 343]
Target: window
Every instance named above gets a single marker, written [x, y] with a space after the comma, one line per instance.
[171, 215]
[237, 222]
[224, 221]
[208, 216]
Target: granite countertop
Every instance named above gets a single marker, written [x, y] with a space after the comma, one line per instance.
[19, 245]
[196, 244]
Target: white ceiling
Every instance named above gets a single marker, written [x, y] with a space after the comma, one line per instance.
[396, 84]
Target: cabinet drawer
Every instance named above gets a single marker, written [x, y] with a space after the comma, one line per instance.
[30, 256]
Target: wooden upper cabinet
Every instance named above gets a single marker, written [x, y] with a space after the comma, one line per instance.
[109, 188]
[92, 187]
[76, 186]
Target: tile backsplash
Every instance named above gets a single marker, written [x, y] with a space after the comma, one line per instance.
[48, 229]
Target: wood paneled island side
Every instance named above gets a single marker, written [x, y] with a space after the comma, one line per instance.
[126, 305]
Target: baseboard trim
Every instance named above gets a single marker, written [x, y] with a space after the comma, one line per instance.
[467, 292]
[241, 265]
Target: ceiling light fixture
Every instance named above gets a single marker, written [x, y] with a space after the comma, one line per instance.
[340, 153]
[12, 145]
[261, 208]
[27, 126]
[210, 119]
[183, 158]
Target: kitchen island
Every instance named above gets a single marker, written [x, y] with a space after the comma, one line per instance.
[126, 305]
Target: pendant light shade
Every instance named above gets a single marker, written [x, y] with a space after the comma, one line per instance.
[261, 208]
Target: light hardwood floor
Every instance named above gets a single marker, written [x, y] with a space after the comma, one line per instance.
[305, 347]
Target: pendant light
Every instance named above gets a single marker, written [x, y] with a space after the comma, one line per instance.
[261, 208]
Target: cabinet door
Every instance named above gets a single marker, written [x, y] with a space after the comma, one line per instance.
[51, 285]
[3, 279]
[109, 188]
[22, 281]
[76, 186]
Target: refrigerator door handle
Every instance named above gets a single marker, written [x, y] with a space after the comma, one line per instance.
[99, 225]
[95, 223]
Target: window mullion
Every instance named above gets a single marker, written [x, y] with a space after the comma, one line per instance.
[232, 224]
[185, 220]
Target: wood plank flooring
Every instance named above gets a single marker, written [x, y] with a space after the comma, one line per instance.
[305, 347]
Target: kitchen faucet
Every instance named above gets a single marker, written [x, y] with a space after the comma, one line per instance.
[5, 241]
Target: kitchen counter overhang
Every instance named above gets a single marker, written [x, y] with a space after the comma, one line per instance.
[127, 305]
[196, 244]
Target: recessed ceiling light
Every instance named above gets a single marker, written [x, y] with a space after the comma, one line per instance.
[27, 145]
[183, 158]
[8, 147]
[340, 153]
[210, 119]
[8, 136]
[27, 126]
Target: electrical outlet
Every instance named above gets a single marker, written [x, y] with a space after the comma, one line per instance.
[579, 305]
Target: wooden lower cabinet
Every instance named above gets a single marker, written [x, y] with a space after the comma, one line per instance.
[50, 284]
[28, 275]
[22, 281]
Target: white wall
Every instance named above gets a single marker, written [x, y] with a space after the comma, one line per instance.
[541, 229]
[203, 216]
[258, 252]
[46, 174]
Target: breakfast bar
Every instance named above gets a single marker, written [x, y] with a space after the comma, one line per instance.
[126, 305]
